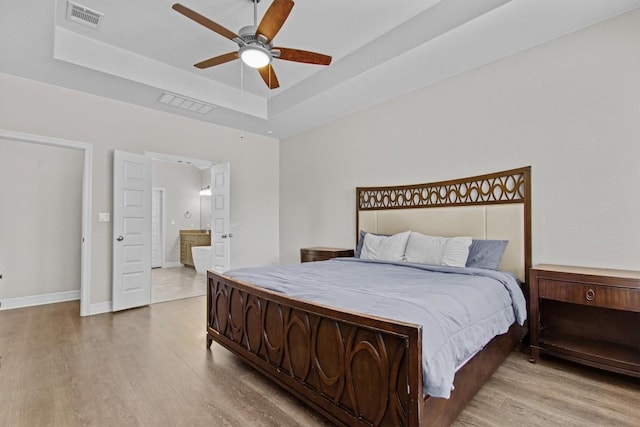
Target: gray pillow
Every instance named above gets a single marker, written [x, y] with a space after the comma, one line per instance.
[486, 253]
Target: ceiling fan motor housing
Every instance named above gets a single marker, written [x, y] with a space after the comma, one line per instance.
[249, 35]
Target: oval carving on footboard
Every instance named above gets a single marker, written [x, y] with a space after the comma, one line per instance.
[365, 359]
[236, 314]
[221, 313]
[298, 335]
[398, 387]
[328, 355]
[252, 325]
[273, 332]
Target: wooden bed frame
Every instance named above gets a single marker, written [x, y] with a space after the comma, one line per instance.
[356, 369]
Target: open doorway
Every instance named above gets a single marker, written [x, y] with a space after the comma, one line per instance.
[132, 189]
[181, 218]
[22, 284]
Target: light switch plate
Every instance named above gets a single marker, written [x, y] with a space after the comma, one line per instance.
[104, 217]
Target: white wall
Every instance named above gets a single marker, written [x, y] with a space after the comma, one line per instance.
[181, 183]
[36, 108]
[40, 213]
[569, 108]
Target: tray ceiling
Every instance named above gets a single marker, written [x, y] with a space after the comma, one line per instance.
[144, 49]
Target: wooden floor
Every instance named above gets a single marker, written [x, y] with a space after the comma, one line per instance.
[149, 367]
[169, 284]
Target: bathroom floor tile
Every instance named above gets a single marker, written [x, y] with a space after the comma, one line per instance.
[168, 284]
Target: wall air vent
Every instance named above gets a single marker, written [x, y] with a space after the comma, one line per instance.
[84, 16]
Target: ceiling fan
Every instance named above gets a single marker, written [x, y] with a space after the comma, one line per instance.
[255, 41]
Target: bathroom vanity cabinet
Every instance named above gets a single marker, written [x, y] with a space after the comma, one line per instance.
[189, 238]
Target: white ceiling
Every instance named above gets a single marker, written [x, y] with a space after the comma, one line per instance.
[380, 50]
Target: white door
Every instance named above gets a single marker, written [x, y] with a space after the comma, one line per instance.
[157, 254]
[131, 230]
[221, 236]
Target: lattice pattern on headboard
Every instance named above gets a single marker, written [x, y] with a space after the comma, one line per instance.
[503, 187]
[511, 186]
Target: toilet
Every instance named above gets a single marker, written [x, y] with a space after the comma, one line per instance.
[201, 258]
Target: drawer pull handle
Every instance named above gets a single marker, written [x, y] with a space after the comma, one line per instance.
[590, 295]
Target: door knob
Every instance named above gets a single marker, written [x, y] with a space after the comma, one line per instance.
[119, 238]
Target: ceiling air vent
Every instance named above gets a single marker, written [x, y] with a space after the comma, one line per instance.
[185, 103]
[83, 16]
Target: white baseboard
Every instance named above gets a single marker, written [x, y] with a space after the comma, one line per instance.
[19, 302]
[171, 264]
[100, 307]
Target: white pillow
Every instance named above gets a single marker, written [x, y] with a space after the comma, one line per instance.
[456, 251]
[385, 248]
[435, 250]
[425, 249]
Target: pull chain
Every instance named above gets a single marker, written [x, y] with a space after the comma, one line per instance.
[241, 100]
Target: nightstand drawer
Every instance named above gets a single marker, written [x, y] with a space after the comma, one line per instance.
[590, 294]
[323, 254]
[314, 257]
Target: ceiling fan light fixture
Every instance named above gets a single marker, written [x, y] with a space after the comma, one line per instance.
[255, 56]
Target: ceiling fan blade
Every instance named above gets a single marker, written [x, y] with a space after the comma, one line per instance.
[204, 21]
[269, 76]
[307, 57]
[217, 60]
[274, 18]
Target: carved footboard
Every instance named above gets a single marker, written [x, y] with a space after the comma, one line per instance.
[355, 370]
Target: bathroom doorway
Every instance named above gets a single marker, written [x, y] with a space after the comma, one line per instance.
[178, 207]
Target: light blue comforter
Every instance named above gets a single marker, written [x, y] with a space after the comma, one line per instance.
[460, 309]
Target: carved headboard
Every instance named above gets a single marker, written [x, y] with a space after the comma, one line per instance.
[491, 206]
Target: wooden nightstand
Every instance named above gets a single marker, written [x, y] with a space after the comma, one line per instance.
[587, 315]
[323, 254]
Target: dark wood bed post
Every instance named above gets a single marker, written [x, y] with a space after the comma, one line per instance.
[528, 235]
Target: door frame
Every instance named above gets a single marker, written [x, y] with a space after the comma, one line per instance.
[87, 194]
[161, 190]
